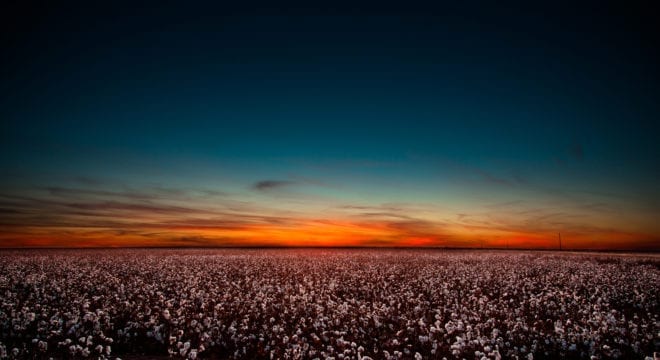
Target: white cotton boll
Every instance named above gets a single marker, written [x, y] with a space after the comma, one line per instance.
[497, 354]
[418, 356]
[193, 354]
[99, 348]
[360, 349]
[449, 326]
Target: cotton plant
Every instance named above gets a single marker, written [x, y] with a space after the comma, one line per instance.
[345, 305]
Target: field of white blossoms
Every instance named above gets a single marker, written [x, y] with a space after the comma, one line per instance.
[333, 303]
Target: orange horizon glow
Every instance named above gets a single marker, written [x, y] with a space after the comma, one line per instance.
[81, 218]
[316, 233]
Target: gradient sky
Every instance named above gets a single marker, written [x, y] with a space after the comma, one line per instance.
[459, 126]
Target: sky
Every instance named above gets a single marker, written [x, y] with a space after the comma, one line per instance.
[451, 125]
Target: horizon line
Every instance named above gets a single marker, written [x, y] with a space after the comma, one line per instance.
[451, 248]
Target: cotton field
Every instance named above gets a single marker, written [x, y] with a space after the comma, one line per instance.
[327, 304]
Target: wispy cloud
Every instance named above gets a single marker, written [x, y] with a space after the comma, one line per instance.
[162, 216]
[269, 185]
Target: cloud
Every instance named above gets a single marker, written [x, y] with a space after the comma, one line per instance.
[385, 215]
[137, 207]
[86, 193]
[268, 185]
[159, 216]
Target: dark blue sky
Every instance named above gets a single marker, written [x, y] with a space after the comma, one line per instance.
[553, 107]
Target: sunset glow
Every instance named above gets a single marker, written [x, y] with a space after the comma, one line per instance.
[93, 218]
[205, 127]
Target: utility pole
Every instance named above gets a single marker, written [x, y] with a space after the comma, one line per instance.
[559, 241]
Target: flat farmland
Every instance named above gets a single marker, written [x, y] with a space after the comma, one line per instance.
[328, 303]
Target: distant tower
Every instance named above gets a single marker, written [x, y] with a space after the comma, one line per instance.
[559, 241]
